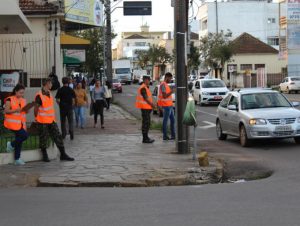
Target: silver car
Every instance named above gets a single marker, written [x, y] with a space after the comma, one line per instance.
[257, 114]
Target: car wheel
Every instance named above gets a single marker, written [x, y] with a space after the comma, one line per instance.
[220, 134]
[297, 140]
[244, 141]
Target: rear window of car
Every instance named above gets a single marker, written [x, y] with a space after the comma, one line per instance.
[295, 79]
[213, 84]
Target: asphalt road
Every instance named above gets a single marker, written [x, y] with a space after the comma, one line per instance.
[274, 201]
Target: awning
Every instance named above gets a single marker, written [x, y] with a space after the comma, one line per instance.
[12, 20]
[71, 42]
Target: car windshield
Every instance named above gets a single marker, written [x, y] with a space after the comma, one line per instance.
[295, 79]
[122, 70]
[213, 84]
[264, 100]
[115, 80]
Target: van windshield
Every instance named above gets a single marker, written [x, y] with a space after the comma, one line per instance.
[122, 70]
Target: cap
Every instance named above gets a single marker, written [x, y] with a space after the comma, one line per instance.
[146, 76]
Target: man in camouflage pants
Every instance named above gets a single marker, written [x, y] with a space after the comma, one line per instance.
[45, 118]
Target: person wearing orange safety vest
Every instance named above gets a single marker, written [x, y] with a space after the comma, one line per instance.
[45, 117]
[15, 120]
[166, 102]
[144, 101]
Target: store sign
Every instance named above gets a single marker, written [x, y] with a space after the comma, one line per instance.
[293, 10]
[88, 12]
[8, 81]
[74, 56]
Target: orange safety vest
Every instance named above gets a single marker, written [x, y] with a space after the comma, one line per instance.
[15, 121]
[140, 102]
[164, 102]
[46, 113]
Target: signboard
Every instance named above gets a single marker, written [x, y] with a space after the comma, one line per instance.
[137, 8]
[8, 81]
[293, 33]
[293, 10]
[74, 56]
[88, 12]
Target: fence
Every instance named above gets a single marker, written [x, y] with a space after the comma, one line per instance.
[272, 80]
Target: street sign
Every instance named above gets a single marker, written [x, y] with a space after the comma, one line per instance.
[137, 8]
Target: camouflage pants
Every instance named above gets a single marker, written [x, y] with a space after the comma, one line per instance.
[146, 120]
[46, 130]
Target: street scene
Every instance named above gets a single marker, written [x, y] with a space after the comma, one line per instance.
[158, 112]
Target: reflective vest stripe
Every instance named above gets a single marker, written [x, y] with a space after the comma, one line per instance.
[46, 109]
[46, 113]
[13, 120]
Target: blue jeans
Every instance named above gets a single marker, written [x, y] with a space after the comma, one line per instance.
[80, 115]
[168, 113]
[21, 136]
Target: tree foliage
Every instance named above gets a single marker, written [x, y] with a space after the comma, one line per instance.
[95, 51]
[216, 49]
[194, 58]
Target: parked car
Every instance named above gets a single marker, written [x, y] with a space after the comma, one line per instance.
[257, 114]
[157, 109]
[117, 86]
[206, 91]
[290, 84]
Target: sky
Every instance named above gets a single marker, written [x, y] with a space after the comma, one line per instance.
[162, 18]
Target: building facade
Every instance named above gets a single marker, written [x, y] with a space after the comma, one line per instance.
[258, 18]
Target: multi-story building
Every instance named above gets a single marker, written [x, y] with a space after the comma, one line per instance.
[258, 18]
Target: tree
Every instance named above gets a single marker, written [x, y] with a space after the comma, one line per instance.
[216, 49]
[194, 58]
[154, 56]
[94, 53]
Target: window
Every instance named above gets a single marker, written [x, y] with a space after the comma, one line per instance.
[273, 41]
[259, 66]
[225, 101]
[234, 101]
[203, 25]
[197, 85]
[213, 84]
[122, 70]
[271, 20]
[140, 43]
[245, 67]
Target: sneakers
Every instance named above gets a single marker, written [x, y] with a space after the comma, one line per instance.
[166, 138]
[19, 162]
[9, 147]
[65, 157]
[148, 141]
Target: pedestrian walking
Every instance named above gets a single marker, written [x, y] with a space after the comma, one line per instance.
[81, 102]
[65, 97]
[166, 102]
[91, 87]
[15, 120]
[45, 117]
[108, 94]
[99, 103]
[144, 101]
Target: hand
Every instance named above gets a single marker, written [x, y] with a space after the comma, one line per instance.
[18, 110]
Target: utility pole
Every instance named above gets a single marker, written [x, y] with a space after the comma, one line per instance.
[108, 54]
[181, 30]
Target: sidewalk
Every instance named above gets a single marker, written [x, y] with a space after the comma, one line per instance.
[114, 156]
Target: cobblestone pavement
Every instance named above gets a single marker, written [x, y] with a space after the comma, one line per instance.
[113, 156]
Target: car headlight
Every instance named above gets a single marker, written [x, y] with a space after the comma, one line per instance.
[257, 121]
[205, 93]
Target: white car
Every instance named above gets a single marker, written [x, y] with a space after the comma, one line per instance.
[290, 84]
[206, 91]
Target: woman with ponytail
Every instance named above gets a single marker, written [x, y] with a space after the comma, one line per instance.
[15, 120]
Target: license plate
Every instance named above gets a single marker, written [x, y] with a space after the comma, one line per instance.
[283, 128]
[218, 98]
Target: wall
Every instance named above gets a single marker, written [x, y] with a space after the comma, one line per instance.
[33, 53]
[251, 17]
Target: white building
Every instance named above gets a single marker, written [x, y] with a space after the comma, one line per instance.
[258, 18]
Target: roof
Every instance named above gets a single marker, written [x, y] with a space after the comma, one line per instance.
[246, 43]
[30, 7]
[136, 36]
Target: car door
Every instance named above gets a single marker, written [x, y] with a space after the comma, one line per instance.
[233, 116]
[223, 114]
